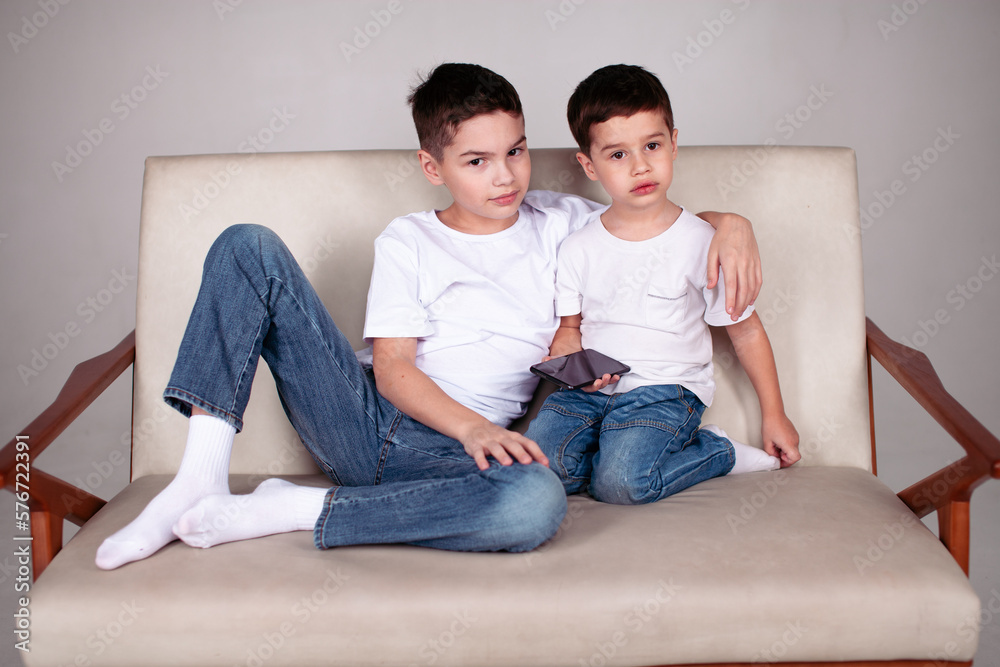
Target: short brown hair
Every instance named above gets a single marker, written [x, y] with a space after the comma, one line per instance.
[454, 93]
[615, 90]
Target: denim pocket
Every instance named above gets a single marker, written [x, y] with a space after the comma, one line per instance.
[665, 306]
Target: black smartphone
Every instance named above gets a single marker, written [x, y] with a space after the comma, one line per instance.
[579, 369]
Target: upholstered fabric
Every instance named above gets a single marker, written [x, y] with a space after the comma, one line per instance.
[328, 207]
[819, 562]
[804, 564]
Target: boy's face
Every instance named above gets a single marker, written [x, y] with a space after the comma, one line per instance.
[486, 168]
[633, 158]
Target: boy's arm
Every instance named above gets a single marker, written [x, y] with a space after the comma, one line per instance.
[755, 354]
[409, 389]
[734, 247]
[567, 340]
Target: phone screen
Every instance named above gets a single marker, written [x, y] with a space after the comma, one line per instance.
[579, 369]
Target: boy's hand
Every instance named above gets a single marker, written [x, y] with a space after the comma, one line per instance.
[734, 248]
[486, 438]
[603, 382]
[781, 439]
[599, 384]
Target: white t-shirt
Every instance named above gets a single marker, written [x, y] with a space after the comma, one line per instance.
[646, 303]
[481, 306]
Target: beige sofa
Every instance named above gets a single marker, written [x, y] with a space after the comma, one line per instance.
[819, 564]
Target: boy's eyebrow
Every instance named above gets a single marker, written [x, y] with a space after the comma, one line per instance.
[655, 135]
[488, 153]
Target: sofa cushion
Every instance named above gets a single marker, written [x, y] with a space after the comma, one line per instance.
[802, 564]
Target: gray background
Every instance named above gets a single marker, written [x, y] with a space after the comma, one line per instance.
[894, 76]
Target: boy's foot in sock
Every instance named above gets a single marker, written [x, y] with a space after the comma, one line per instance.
[276, 506]
[204, 471]
[748, 458]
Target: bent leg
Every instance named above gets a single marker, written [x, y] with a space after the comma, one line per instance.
[651, 447]
[433, 494]
[456, 507]
[502, 508]
[567, 429]
[254, 301]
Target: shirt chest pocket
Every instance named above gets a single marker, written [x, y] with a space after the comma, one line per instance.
[665, 306]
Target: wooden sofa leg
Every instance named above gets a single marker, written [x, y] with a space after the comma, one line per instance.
[953, 528]
[47, 538]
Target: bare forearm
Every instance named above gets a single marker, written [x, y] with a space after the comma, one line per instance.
[411, 391]
[567, 339]
[757, 358]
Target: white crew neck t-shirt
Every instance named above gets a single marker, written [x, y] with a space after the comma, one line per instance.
[646, 303]
[480, 306]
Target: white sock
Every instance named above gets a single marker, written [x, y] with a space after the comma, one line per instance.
[204, 471]
[748, 458]
[276, 506]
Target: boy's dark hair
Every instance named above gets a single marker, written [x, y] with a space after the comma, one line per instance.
[454, 93]
[615, 90]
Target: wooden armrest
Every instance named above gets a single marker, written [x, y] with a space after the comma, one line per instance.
[948, 490]
[87, 381]
[52, 499]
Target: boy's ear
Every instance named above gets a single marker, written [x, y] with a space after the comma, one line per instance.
[430, 167]
[673, 144]
[588, 166]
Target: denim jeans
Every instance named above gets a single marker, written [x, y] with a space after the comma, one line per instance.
[397, 481]
[630, 448]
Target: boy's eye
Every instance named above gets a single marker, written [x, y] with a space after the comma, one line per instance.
[652, 146]
[617, 155]
[513, 152]
[475, 162]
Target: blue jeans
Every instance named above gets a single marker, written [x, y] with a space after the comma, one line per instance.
[630, 448]
[398, 481]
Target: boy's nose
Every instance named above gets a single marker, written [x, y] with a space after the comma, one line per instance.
[640, 165]
[503, 174]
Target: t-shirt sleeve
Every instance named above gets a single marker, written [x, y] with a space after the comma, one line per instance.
[715, 305]
[569, 291]
[394, 309]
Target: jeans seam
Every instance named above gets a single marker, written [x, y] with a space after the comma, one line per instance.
[386, 442]
[586, 424]
[432, 454]
[392, 493]
[652, 423]
[246, 364]
[567, 413]
[333, 357]
[694, 434]
[587, 421]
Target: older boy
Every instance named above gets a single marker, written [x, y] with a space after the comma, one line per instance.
[460, 305]
[638, 441]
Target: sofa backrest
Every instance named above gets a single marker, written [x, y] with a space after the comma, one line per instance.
[329, 207]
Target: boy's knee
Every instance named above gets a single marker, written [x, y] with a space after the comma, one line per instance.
[609, 486]
[533, 506]
[244, 237]
[246, 244]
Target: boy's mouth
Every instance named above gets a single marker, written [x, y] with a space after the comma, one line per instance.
[644, 188]
[505, 200]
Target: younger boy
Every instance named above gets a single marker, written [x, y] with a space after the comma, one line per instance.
[631, 284]
[460, 306]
